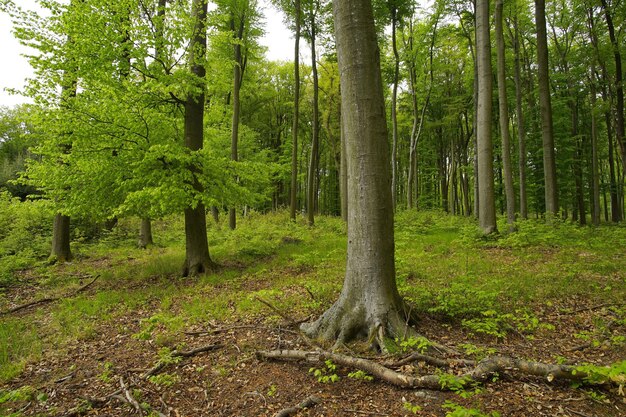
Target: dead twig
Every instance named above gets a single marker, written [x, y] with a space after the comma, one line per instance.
[180, 354]
[291, 411]
[47, 299]
[483, 370]
[129, 398]
[577, 412]
[595, 307]
[431, 360]
[289, 320]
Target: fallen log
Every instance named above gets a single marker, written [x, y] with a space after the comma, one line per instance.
[480, 373]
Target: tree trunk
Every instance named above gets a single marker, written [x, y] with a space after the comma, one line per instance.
[521, 129]
[343, 173]
[369, 303]
[394, 102]
[504, 120]
[145, 233]
[619, 84]
[545, 105]
[314, 160]
[237, 74]
[293, 196]
[595, 176]
[61, 239]
[487, 213]
[197, 259]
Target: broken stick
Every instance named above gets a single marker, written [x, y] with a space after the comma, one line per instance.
[292, 411]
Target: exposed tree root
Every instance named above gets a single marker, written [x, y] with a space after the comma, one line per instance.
[292, 411]
[481, 372]
[342, 325]
[431, 360]
[48, 299]
[180, 354]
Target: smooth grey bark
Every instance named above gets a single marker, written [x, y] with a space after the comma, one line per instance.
[504, 119]
[237, 76]
[343, 173]
[521, 128]
[145, 233]
[197, 259]
[61, 251]
[293, 197]
[545, 106]
[315, 139]
[619, 83]
[595, 176]
[487, 212]
[394, 107]
[369, 303]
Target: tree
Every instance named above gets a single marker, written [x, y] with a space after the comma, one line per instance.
[315, 138]
[369, 303]
[504, 118]
[197, 259]
[547, 133]
[487, 212]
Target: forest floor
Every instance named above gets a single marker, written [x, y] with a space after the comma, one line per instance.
[548, 293]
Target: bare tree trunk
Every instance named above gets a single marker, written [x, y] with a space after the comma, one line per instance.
[145, 233]
[197, 259]
[549, 161]
[521, 128]
[343, 174]
[487, 213]
[619, 84]
[237, 76]
[293, 202]
[504, 119]
[61, 239]
[595, 176]
[369, 303]
[394, 101]
[314, 160]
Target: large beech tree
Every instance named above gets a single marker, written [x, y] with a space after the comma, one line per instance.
[197, 258]
[369, 303]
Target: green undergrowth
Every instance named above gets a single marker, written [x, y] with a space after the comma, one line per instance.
[444, 268]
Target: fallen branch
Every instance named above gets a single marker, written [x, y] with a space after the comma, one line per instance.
[431, 360]
[129, 398]
[47, 299]
[290, 321]
[291, 411]
[480, 373]
[180, 354]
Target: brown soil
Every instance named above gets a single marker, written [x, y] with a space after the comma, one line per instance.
[230, 381]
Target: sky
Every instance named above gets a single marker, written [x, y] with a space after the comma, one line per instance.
[15, 68]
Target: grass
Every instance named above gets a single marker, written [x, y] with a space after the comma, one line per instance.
[444, 268]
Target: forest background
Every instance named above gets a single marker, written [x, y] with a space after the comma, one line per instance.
[145, 111]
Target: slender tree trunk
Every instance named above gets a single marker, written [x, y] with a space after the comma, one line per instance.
[487, 213]
[521, 129]
[595, 176]
[394, 103]
[237, 75]
[145, 233]
[61, 239]
[619, 84]
[369, 303]
[293, 202]
[549, 161]
[197, 259]
[504, 119]
[314, 160]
